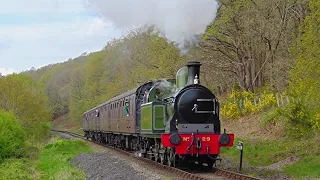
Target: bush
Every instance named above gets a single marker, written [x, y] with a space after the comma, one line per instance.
[26, 99]
[298, 117]
[271, 117]
[11, 136]
[230, 110]
[241, 103]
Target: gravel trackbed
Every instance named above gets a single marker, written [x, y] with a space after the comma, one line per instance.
[105, 166]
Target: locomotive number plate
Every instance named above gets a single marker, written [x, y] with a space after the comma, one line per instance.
[205, 138]
[202, 138]
[186, 139]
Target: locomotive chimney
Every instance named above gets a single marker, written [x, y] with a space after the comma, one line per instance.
[193, 72]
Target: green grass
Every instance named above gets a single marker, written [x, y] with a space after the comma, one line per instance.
[307, 167]
[17, 169]
[259, 153]
[54, 160]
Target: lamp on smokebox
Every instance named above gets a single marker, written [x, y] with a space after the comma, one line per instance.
[240, 148]
[196, 80]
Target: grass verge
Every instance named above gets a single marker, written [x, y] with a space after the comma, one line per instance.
[54, 160]
[45, 162]
[307, 167]
[262, 153]
[17, 169]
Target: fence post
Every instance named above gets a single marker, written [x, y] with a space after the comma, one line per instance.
[260, 103]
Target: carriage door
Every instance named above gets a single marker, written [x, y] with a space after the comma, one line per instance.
[97, 119]
[126, 113]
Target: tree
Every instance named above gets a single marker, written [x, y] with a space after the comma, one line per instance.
[26, 99]
[250, 41]
[305, 75]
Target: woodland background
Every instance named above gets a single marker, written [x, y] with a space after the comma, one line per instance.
[253, 49]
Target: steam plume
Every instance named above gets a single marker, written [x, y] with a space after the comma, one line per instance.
[178, 20]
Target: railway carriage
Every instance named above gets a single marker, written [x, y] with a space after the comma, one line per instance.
[177, 121]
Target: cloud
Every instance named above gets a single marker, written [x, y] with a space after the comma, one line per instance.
[53, 36]
[32, 45]
[43, 6]
[179, 20]
[6, 71]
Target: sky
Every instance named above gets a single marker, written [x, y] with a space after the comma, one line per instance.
[36, 33]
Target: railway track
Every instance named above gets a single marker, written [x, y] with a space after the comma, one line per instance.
[175, 171]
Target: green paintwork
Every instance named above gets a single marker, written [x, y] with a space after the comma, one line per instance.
[151, 135]
[152, 118]
[146, 118]
[182, 77]
[159, 117]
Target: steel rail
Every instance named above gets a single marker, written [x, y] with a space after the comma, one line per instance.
[175, 171]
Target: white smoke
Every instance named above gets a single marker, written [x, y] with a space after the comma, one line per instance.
[178, 20]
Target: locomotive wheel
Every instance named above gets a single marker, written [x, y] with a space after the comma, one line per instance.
[162, 157]
[171, 158]
[162, 154]
[210, 163]
[150, 155]
[156, 154]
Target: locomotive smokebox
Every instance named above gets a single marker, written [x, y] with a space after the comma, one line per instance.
[193, 72]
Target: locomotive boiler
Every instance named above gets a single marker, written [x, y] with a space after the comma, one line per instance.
[169, 121]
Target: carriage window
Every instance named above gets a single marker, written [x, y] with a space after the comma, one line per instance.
[126, 108]
[97, 113]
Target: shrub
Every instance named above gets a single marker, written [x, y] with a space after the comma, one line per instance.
[299, 118]
[241, 103]
[11, 136]
[230, 110]
[26, 99]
